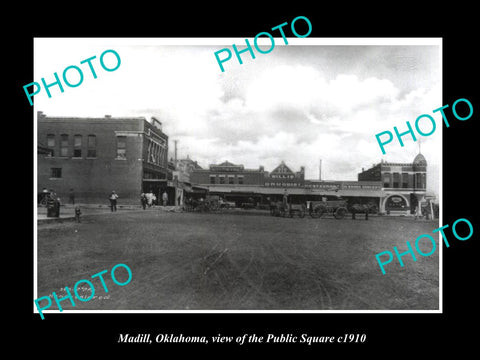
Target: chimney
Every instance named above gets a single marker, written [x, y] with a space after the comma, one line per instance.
[320, 171]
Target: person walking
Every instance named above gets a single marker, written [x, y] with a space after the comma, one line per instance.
[113, 201]
[78, 213]
[418, 212]
[149, 198]
[143, 200]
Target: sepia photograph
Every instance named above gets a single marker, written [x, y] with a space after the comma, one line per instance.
[299, 177]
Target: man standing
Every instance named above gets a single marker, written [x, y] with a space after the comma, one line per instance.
[143, 200]
[165, 198]
[113, 201]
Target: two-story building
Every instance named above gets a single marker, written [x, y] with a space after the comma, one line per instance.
[93, 156]
[403, 184]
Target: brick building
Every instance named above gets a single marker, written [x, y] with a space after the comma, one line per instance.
[233, 182]
[403, 184]
[394, 188]
[227, 173]
[94, 156]
[282, 176]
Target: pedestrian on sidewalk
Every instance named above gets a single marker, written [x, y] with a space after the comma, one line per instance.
[418, 212]
[78, 212]
[165, 198]
[149, 198]
[143, 200]
[113, 201]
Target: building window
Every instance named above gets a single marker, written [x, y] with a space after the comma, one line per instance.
[386, 180]
[77, 146]
[92, 146]
[64, 145]
[396, 180]
[121, 147]
[231, 180]
[56, 173]
[404, 180]
[240, 180]
[212, 179]
[51, 143]
[222, 179]
[420, 182]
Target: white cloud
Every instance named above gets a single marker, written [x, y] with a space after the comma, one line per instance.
[289, 108]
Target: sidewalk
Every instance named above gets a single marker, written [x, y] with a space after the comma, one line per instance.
[67, 211]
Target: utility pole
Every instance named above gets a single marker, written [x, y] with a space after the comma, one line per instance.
[175, 159]
[320, 171]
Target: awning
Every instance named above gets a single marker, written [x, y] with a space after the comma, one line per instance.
[198, 190]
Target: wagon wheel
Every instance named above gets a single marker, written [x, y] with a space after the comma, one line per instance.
[340, 213]
[317, 212]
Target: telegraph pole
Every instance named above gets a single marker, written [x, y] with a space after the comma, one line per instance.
[175, 159]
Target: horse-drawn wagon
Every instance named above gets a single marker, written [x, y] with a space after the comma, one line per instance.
[283, 209]
[337, 208]
[211, 203]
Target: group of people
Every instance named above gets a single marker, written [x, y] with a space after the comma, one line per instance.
[146, 199]
[149, 199]
[51, 201]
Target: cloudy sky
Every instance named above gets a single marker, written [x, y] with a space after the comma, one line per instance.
[312, 99]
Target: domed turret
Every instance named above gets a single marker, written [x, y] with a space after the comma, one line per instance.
[420, 160]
